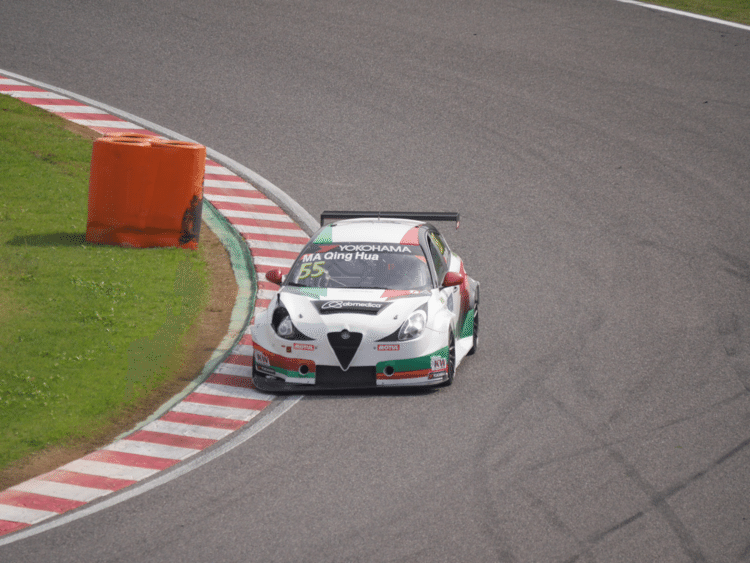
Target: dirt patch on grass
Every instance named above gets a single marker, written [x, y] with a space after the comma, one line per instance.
[202, 339]
[84, 132]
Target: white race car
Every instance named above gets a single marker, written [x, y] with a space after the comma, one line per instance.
[374, 299]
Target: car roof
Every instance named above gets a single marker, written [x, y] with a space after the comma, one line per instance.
[387, 230]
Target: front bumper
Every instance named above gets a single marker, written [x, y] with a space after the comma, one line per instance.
[280, 372]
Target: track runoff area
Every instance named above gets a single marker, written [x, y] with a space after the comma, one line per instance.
[220, 403]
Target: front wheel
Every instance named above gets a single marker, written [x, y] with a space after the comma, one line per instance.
[451, 359]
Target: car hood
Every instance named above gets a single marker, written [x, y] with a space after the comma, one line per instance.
[318, 311]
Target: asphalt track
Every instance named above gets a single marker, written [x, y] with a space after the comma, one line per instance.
[598, 153]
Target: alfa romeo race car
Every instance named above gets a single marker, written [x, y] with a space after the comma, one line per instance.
[374, 299]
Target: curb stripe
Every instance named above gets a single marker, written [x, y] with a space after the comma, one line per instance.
[59, 490]
[203, 420]
[8, 527]
[114, 473]
[234, 392]
[18, 88]
[24, 515]
[258, 205]
[230, 380]
[232, 215]
[188, 430]
[273, 262]
[68, 105]
[225, 176]
[253, 237]
[263, 268]
[239, 360]
[151, 449]
[165, 439]
[131, 459]
[273, 243]
[234, 191]
[266, 285]
[273, 253]
[224, 183]
[233, 369]
[219, 411]
[268, 223]
[249, 404]
[259, 200]
[243, 349]
[33, 97]
[65, 111]
[23, 499]
[88, 117]
[85, 479]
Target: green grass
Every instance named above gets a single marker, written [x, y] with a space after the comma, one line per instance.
[729, 10]
[85, 330]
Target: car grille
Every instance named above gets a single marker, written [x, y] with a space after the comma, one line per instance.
[345, 345]
[333, 377]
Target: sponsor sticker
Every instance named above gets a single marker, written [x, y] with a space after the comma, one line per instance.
[339, 306]
[375, 248]
[304, 347]
[262, 364]
[438, 366]
[261, 359]
[388, 347]
[349, 252]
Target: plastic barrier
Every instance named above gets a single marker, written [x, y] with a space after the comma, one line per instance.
[145, 191]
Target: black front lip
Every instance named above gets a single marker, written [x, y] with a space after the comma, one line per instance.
[275, 385]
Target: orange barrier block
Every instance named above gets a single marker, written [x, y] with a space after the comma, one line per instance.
[140, 136]
[178, 201]
[145, 192]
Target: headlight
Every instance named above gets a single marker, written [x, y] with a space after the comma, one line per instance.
[413, 326]
[285, 328]
[282, 324]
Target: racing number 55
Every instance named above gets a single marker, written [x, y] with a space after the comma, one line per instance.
[314, 270]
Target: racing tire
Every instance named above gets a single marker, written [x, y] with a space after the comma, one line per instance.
[451, 360]
[475, 343]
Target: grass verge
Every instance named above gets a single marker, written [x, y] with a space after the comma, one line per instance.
[86, 331]
[730, 10]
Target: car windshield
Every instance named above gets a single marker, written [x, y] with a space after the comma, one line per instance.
[361, 265]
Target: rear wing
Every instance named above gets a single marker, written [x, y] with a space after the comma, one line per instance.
[414, 215]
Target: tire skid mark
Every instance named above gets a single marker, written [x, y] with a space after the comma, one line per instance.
[533, 388]
[657, 499]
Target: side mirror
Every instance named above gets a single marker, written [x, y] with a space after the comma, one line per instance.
[452, 279]
[274, 276]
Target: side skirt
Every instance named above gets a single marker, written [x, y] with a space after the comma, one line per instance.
[463, 345]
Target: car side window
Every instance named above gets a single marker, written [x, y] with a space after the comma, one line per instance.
[437, 258]
[443, 247]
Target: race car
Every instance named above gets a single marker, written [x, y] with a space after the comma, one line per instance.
[375, 299]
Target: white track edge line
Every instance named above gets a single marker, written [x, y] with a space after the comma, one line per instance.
[686, 14]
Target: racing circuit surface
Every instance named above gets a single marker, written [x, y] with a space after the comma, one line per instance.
[599, 155]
